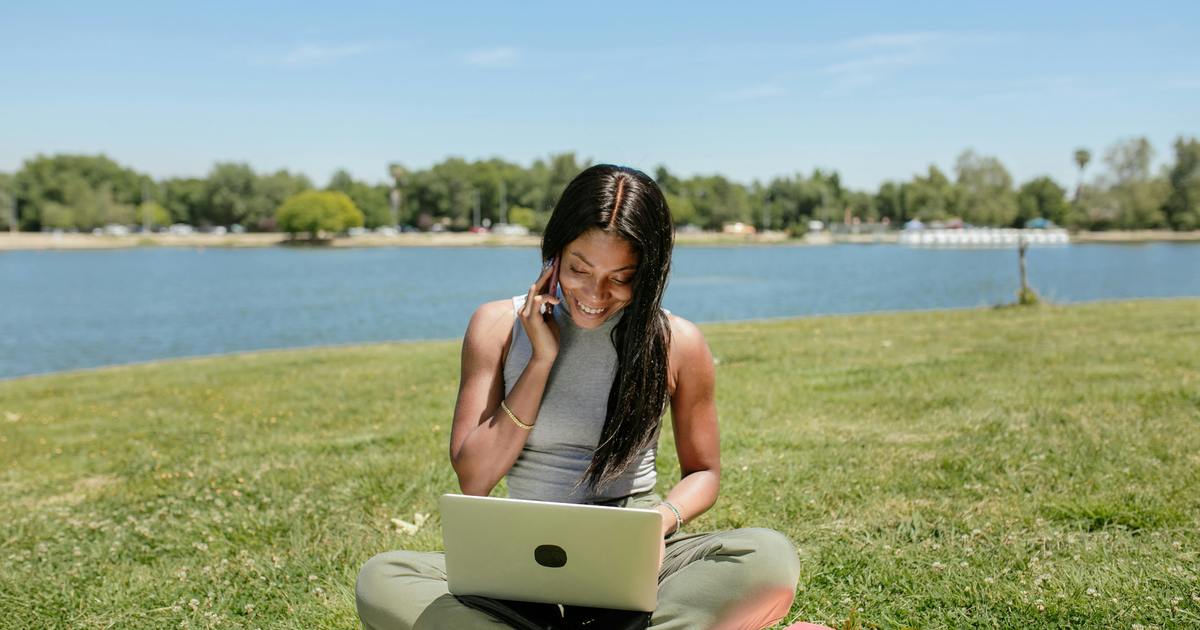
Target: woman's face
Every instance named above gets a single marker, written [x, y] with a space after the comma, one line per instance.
[596, 274]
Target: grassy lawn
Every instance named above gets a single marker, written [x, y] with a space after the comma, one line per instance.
[986, 468]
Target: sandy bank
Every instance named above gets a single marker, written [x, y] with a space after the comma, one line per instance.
[47, 241]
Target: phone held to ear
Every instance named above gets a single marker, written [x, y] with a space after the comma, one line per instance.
[551, 287]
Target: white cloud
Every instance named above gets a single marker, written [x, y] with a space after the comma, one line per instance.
[501, 57]
[872, 65]
[870, 58]
[892, 40]
[315, 55]
[754, 92]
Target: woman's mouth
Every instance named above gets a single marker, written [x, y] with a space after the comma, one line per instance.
[587, 310]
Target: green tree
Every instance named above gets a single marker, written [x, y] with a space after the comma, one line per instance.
[890, 202]
[930, 197]
[8, 196]
[230, 189]
[520, 215]
[152, 213]
[862, 205]
[669, 183]
[316, 212]
[86, 190]
[1182, 207]
[985, 195]
[562, 168]
[717, 200]
[1138, 197]
[827, 188]
[1042, 197]
[682, 210]
[186, 199]
[270, 191]
[792, 201]
[372, 200]
[1082, 157]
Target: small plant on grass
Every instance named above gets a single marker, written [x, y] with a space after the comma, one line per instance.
[1026, 296]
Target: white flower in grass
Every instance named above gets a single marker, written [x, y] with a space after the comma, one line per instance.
[1092, 592]
[407, 528]
[937, 566]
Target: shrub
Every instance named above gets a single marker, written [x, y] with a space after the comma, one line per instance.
[315, 212]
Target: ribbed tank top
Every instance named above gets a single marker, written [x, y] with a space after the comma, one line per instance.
[560, 446]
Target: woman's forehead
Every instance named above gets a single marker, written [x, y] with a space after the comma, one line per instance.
[603, 250]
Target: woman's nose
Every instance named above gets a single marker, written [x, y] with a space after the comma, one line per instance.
[595, 290]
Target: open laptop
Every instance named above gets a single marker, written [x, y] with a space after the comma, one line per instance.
[557, 553]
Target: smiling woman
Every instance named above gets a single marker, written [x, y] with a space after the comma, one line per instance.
[597, 289]
[562, 391]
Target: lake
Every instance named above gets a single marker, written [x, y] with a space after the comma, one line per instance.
[62, 310]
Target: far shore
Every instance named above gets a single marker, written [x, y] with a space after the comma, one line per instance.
[10, 241]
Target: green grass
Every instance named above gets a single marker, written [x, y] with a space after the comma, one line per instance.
[987, 468]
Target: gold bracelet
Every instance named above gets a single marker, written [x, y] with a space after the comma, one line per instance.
[678, 516]
[527, 427]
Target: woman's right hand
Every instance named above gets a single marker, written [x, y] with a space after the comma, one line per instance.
[542, 331]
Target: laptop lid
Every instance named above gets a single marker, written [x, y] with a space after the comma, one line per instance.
[558, 553]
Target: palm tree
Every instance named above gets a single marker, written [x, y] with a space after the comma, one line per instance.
[399, 178]
[1082, 157]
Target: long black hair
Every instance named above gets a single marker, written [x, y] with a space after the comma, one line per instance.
[627, 203]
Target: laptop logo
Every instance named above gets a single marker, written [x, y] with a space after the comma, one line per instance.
[551, 556]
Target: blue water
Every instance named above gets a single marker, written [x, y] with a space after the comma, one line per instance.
[67, 310]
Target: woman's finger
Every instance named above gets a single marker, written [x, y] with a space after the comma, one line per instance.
[525, 312]
[535, 289]
[543, 281]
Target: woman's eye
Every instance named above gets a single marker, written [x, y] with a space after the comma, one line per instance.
[578, 271]
[620, 281]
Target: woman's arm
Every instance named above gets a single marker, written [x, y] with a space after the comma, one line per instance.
[484, 441]
[694, 420]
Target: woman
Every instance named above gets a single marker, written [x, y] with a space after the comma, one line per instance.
[562, 391]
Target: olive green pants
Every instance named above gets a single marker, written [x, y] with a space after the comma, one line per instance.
[702, 576]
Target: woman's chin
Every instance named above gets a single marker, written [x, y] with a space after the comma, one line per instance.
[588, 321]
[585, 320]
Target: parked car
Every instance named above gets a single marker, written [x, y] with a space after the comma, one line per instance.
[508, 229]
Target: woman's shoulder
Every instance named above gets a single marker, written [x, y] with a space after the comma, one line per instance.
[685, 336]
[490, 327]
[689, 354]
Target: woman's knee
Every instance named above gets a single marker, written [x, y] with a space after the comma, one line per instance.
[378, 576]
[774, 561]
[386, 592]
[371, 579]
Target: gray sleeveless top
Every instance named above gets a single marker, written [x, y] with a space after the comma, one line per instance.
[560, 446]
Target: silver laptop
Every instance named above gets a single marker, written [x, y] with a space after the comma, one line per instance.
[558, 553]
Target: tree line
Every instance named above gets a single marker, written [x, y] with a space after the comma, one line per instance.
[82, 192]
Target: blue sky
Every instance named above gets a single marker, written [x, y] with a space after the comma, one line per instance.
[875, 91]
